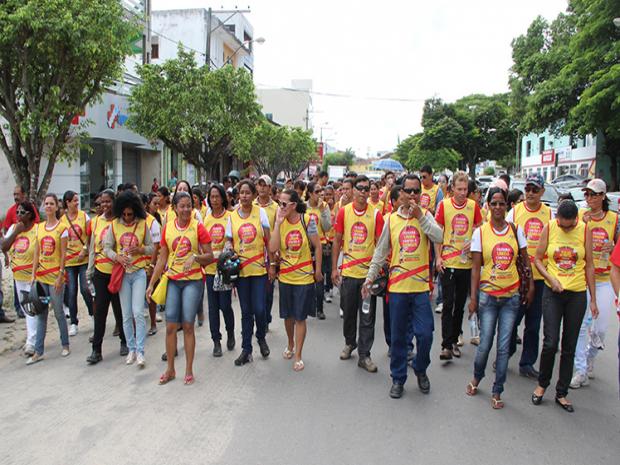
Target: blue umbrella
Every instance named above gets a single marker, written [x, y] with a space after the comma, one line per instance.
[388, 164]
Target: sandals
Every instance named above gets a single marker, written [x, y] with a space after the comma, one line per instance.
[537, 399]
[288, 354]
[471, 390]
[298, 365]
[496, 403]
[152, 331]
[188, 380]
[166, 378]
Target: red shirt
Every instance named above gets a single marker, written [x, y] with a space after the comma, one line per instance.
[615, 256]
[11, 217]
[439, 216]
[339, 226]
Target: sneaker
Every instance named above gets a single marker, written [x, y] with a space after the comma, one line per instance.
[446, 354]
[124, 350]
[439, 307]
[158, 318]
[217, 349]
[578, 381]
[460, 342]
[367, 364]
[34, 359]
[320, 315]
[73, 330]
[65, 309]
[341, 313]
[456, 351]
[65, 352]
[29, 350]
[141, 360]
[346, 352]
[590, 369]
[328, 298]
[475, 341]
[264, 348]
[131, 358]
[245, 357]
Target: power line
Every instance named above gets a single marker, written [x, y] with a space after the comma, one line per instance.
[337, 95]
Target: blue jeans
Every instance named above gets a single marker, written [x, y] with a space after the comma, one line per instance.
[492, 312]
[183, 298]
[405, 310]
[56, 304]
[251, 291]
[73, 273]
[219, 301]
[531, 331]
[131, 295]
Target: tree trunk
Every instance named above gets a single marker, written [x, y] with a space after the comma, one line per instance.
[612, 149]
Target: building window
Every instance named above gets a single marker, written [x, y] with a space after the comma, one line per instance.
[572, 169]
[541, 144]
[528, 148]
[583, 170]
[154, 51]
[544, 173]
[230, 28]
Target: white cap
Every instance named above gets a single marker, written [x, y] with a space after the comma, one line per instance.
[265, 178]
[597, 186]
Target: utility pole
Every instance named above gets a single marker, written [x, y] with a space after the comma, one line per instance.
[209, 22]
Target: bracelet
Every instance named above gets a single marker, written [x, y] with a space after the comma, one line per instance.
[272, 264]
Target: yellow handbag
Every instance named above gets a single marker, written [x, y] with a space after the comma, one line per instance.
[159, 294]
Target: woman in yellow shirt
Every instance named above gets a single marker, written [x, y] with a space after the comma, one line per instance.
[570, 269]
[50, 251]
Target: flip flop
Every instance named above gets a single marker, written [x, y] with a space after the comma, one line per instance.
[471, 389]
[165, 378]
[288, 354]
[298, 365]
[189, 379]
[152, 331]
[497, 404]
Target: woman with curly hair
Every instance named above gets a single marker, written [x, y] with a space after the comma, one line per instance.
[128, 242]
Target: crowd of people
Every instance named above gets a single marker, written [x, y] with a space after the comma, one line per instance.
[399, 240]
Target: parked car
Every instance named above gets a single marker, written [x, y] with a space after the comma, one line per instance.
[568, 181]
[550, 197]
[578, 197]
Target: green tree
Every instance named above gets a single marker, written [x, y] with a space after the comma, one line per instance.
[414, 156]
[56, 57]
[345, 158]
[276, 149]
[489, 171]
[566, 75]
[203, 114]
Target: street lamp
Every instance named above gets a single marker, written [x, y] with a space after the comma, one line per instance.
[260, 41]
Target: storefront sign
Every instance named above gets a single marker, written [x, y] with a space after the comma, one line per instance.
[548, 157]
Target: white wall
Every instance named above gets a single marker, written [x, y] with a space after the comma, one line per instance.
[185, 26]
[288, 107]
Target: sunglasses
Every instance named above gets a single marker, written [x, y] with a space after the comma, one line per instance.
[411, 190]
[533, 189]
[363, 188]
[286, 204]
[497, 204]
[21, 212]
[592, 194]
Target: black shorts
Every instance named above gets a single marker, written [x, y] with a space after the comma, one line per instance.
[296, 300]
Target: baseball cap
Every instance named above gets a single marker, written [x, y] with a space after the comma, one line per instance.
[535, 179]
[266, 179]
[597, 186]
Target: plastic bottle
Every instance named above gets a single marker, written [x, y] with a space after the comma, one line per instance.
[605, 254]
[91, 288]
[366, 305]
[464, 253]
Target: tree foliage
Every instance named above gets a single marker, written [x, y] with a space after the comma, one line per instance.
[275, 149]
[566, 74]
[203, 114]
[345, 158]
[56, 57]
[414, 155]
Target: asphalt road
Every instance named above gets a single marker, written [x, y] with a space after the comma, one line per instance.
[62, 411]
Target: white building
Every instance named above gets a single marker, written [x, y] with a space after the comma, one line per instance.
[289, 106]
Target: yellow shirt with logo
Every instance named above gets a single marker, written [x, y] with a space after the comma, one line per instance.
[48, 268]
[22, 254]
[458, 229]
[181, 244]
[499, 275]
[428, 197]
[99, 228]
[378, 206]
[532, 222]
[315, 214]
[358, 241]
[410, 253]
[295, 255]
[603, 232]
[249, 242]
[271, 209]
[126, 236]
[216, 226]
[567, 257]
[77, 239]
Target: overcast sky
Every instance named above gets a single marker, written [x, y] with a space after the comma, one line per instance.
[374, 50]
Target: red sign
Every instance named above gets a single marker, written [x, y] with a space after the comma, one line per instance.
[319, 151]
[548, 157]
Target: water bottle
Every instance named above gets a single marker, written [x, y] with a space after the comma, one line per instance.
[464, 253]
[473, 326]
[366, 305]
[605, 254]
[91, 288]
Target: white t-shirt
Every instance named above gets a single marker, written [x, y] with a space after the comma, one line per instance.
[476, 243]
[156, 232]
[264, 221]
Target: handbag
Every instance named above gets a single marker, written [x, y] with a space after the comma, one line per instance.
[161, 290]
[118, 272]
[524, 270]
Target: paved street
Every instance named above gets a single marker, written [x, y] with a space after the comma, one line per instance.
[62, 411]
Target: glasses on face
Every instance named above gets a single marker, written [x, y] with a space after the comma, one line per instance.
[411, 190]
[285, 204]
[533, 189]
[363, 188]
[319, 191]
[592, 194]
[21, 212]
[497, 204]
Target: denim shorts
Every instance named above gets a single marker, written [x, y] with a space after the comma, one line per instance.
[183, 299]
[296, 301]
